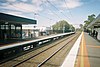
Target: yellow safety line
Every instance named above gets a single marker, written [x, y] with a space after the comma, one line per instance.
[83, 60]
[93, 46]
[86, 58]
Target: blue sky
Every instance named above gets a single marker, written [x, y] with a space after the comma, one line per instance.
[48, 12]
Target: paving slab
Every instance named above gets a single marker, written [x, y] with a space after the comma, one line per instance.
[89, 52]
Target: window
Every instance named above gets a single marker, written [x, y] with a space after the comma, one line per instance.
[12, 27]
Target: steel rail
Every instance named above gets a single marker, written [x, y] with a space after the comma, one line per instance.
[39, 65]
[39, 53]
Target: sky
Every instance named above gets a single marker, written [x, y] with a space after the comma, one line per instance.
[48, 12]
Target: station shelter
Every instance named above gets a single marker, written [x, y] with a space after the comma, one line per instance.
[11, 26]
[94, 26]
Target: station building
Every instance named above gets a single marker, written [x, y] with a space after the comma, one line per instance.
[94, 26]
[29, 31]
[11, 26]
[45, 30]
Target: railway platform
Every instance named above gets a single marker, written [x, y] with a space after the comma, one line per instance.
[9, 52]
[89, 52]
[86, 53]
[83, 53]
[13, 41]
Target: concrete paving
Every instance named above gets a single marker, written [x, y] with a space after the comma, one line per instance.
[89, 52]
[93, 48]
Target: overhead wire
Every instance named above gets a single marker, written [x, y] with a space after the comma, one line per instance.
[68, 8]
[40, 14]
[69, 11]
[57, 9]
[53, 12]
[32, 12]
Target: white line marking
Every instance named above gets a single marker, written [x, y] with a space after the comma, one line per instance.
[71, 57]
[31, 41]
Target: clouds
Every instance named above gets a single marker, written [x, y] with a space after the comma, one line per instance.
[10, 0]
[21, 7]
[26, 7]
[35, 5]
[72, 4]
[37, 2]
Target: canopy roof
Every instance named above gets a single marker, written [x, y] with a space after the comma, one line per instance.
[15, 19]
[95, 23]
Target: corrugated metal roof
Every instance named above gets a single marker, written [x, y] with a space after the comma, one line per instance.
[95, 22]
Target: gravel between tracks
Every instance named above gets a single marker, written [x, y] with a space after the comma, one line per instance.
[57, 60]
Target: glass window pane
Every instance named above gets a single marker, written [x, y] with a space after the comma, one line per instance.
[12, 27]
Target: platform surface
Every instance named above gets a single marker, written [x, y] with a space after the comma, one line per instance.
[88, 53]
[7, 42]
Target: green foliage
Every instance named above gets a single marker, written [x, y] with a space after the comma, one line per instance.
[89, 20]
[72, 28]
[81, 26]
[62, 26]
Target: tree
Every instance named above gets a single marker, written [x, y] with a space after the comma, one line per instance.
[89, 20]
[81, 25]
[62, 26]
[72, 28]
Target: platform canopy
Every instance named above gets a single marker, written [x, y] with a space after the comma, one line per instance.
[6, 18]
[95, 23]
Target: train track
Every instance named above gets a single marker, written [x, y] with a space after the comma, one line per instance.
[43, 51]
[43, 62]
